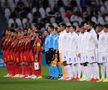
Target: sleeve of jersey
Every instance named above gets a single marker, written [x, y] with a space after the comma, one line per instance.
[38, 44]
[60, 44]
[77, 43]
[95, 40]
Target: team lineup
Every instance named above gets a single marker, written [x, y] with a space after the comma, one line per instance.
[72, 53]
[20, 50]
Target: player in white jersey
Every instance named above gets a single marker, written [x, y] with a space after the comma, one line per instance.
[79, 29]
[90, 49]
[104, 48]
[60, 45]
[72, 51]
[102, 58]
[62, 32]
[82, 54]
[65, 54]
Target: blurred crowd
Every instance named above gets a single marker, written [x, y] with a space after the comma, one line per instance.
[21, 13]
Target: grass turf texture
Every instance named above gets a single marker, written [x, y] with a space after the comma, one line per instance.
[44, 84]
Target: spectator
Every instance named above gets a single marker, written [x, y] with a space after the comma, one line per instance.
[68, 14]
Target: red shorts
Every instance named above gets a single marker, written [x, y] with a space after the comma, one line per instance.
[4, 56]
[8, 56]
[21, 57]
[31, 56]
[17, 57]
[27, 56]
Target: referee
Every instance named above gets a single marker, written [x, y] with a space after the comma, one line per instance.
[49, 51]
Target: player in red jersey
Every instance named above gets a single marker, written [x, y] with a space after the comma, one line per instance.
[37, 51]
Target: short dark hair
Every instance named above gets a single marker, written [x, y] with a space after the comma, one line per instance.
[89, 23]
[74, 26]
[80, 26]
[51, 26]
[100, 25]
[63, 25]
[106, 25]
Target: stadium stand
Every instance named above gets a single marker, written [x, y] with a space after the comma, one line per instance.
[43, 12]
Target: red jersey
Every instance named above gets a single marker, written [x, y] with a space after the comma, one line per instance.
[37, 44]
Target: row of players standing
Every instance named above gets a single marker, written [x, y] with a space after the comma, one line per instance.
[22, 48]
[79, 50]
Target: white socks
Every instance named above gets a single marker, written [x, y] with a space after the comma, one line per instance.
[94, 71]
[68, 70]
[85, 72]
[106, 65]
[102, 70]
[74, 67]
[79, 70]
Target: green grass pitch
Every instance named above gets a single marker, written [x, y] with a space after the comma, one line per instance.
[44, 84]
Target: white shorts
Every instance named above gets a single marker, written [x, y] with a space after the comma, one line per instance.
[78, 59]
[97, 55]
[72, 58]
[107, 57]
[102, 57]
[64, 56]
[91, 57]
[83, 58]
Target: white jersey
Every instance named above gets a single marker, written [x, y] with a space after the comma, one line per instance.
[72, 43]
[91, 41]
[93, 32]
[103, 42]
[87, 45]
[83, 42]
[107, 42]
[82, 46]
[60, 41]
[68, 46]
[91, 46]
[72, 46]
[79, 46]
[102, 47]
[80, 42]
[63, 42]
